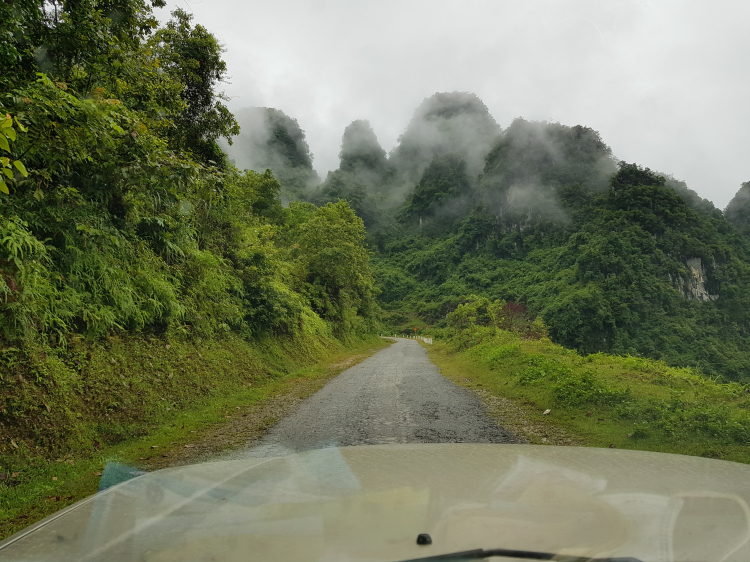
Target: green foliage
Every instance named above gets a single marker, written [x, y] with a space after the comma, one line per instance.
[345, 186]
[193, 57]
[609, 257]
[9, 135]
[332, 260]
[119, 213]
[622, 401]
[738, 210]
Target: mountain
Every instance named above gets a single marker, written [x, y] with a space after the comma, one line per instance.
[612, 256]
[449, 122]
[270, 139]
[363, 175]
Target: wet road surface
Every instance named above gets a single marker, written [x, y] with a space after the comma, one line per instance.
[395, 396]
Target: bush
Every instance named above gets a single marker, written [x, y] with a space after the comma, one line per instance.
[498, 354]
[580, 389]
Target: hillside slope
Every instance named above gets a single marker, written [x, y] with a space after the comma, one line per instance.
[613, 256]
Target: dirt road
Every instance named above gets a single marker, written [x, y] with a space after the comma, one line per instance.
[395, 396]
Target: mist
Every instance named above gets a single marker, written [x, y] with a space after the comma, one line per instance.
[662, 82]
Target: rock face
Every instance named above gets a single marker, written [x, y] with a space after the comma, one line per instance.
[694, 286]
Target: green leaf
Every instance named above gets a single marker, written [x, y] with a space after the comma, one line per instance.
[8, 172]
[4, 161]
[7, 122]
[4, 187]
[10, 133]
[4, 143]
[21, 127]
[38, 194]
[21, 168]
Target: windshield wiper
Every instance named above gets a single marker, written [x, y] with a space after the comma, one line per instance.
[526, 554]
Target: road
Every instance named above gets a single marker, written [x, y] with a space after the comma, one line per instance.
[395, 396]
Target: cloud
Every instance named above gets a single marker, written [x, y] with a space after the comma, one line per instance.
[663, 82]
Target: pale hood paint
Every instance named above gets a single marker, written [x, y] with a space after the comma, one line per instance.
[371, 502]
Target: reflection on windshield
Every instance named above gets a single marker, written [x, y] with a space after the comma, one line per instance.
[363, 502]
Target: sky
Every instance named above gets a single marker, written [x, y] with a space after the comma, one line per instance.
[666, 84]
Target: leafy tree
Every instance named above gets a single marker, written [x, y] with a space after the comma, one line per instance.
[334, 263]
[192, 56]
[113, 217]
[83, 43]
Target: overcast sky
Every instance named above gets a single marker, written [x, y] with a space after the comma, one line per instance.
[667, 84]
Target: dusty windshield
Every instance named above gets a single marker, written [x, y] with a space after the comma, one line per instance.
[504, 247]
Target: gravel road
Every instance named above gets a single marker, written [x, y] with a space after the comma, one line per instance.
[395, 396]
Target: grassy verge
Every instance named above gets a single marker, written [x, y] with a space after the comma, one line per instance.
[142, 403]
[602, 400]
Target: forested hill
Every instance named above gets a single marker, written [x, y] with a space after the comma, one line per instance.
[134, 202]
[610, 255]
[120, 213]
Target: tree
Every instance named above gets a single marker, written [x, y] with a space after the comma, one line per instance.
[81, 42]
[192, 56]
[335, 264]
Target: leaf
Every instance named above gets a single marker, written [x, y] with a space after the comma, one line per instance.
[10, 133]
[21, 127]
[7, 122]
[21, 168]
[38, 194]
[4, 143]
[8, 172]
[4, 187]
[4, 161]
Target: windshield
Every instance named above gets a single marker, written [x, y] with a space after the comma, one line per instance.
[237, 237]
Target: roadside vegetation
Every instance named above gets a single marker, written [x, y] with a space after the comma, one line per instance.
[627, 402]
[145, 278]
[134, 402]
[142, 275]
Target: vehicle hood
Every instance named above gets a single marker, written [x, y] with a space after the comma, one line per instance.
[371, 502]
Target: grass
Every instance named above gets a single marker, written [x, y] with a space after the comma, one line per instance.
[605, 400]
[168, 413]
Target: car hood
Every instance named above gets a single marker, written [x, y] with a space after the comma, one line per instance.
[371, 502]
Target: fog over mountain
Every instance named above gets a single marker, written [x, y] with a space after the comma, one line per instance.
[270, 139]
[662, 82]
[445, 122]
